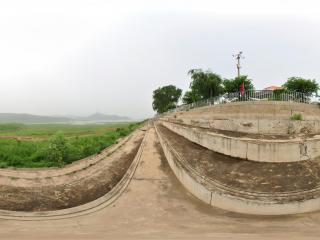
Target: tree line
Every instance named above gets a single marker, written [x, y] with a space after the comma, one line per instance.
[206, 84]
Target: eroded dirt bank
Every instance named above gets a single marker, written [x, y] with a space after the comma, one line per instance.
[246, 175]
[71, 189]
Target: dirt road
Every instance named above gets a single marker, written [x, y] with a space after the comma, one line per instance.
[155, 206]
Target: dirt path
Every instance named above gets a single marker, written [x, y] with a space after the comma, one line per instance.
[155, 206]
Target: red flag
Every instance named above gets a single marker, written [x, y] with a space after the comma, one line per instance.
[242, 89]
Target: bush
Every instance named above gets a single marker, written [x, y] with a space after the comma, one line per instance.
[277, 94]
[122, 132]
[296, 116]
[3, 165]
[57, 150]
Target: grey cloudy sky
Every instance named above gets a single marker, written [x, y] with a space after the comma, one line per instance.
[79, 57]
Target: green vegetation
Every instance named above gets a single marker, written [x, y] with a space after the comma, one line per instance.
[277, 94]
[233, 85]
[165, 98]
[204, 85]
[190, 97]
[296, 116]
[10, 127]
[54, 145]
[301, 85]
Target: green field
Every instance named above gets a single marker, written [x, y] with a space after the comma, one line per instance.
[54, 145]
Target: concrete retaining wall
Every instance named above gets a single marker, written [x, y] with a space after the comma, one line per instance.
[251, 125]
[258, 109]
[290, 150]
[254, 117]
[230, 199]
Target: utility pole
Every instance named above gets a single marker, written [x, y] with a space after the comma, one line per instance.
[238, 57]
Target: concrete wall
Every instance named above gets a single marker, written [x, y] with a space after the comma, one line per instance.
[254, 117]
[232, 200]
[261, 150]
[258, 109]
[251, 125]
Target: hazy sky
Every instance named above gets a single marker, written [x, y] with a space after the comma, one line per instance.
[79, 57]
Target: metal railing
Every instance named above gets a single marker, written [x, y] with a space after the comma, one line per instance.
[268, 95]
[249, 95]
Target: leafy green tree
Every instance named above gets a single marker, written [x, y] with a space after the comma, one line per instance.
[166, 98]
[233, 85]
[299, 84]
[204, 84]
[190, 97]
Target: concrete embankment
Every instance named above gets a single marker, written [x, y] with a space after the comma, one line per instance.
[262, 149]
[242, 186]
[72, 187]
[265, 117]
[156, 206]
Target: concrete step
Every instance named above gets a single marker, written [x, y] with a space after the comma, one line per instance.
[242, 186]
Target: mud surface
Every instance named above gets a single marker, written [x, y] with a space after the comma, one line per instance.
[73, 193]
[246, 175]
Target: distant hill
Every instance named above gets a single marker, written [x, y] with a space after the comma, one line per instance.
[104, 117]
[30, 118]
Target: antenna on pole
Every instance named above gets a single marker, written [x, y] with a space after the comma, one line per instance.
[238, 56]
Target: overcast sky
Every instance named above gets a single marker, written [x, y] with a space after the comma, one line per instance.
[78, 57]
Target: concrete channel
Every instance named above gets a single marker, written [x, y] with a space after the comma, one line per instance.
[154, 205]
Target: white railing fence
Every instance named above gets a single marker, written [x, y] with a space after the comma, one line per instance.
[249, 95]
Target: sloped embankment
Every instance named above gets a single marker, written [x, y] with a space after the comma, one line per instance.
[239, 185]
[254, 147]
[73, 185]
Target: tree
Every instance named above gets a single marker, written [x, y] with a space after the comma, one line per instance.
[166, 98]
[233, 85]
[204, 84]
[299, 84]
[190, 97]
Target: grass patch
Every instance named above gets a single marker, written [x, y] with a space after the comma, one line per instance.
[296, 116]
[10, 127]
[60, 144]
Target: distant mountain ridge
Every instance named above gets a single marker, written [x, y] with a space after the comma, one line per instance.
[31, 118]
[100, 117]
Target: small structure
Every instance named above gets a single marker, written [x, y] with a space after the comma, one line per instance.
[272, 88]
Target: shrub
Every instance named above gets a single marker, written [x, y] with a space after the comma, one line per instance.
[3, 165]
[122, 132]
[277, 94]
[296, 116]
[57, 150]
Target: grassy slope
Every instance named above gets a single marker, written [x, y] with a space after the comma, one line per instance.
[56, 144]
